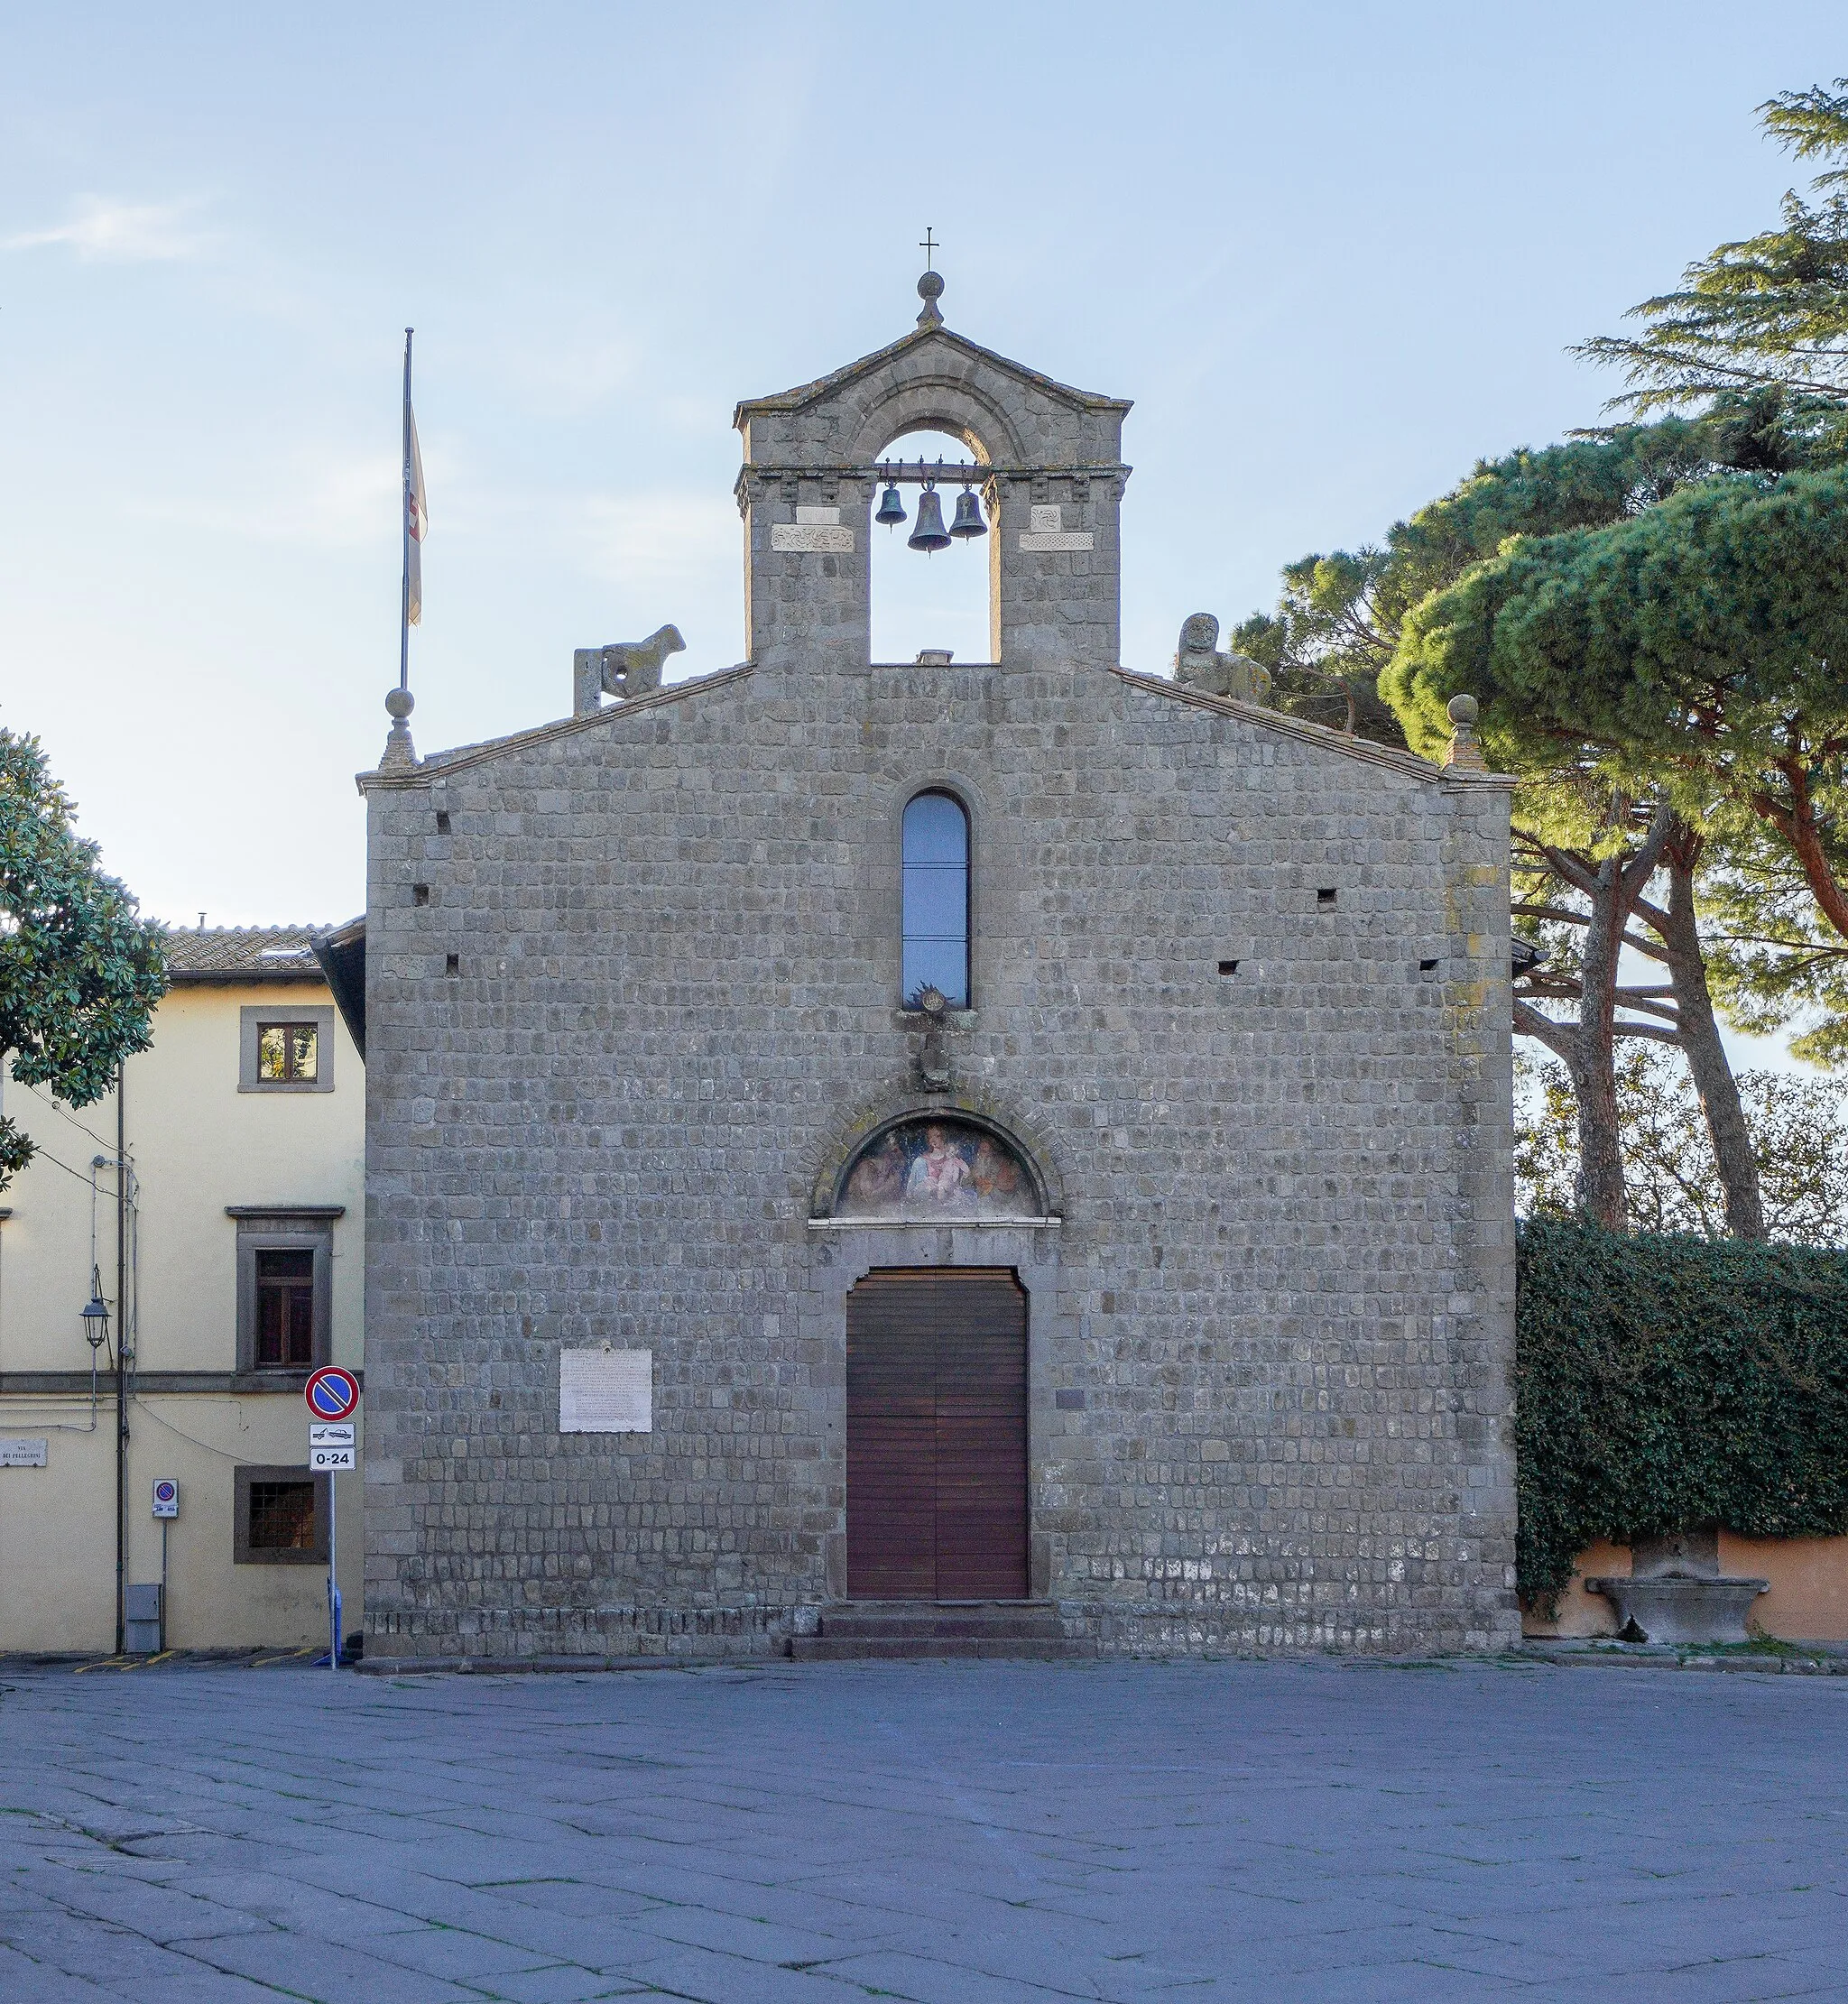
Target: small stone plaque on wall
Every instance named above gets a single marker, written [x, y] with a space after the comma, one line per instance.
[22, 1453]
[606, 1392]
[1049, 531]
[816, 527]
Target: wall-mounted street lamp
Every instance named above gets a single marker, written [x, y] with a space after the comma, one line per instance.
[95, 1315]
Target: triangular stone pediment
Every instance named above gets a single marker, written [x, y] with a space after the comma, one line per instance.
[924, 344]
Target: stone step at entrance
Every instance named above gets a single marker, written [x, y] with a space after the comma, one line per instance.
[863, 1630]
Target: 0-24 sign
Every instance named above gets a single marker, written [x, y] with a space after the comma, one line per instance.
[330, 1446]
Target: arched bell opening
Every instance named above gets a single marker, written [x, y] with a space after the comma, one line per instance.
[933, 585]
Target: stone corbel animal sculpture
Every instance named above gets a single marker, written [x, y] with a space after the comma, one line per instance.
[623, 669]
[1199, 665]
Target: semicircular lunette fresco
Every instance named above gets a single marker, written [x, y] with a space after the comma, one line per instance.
[938, 1169]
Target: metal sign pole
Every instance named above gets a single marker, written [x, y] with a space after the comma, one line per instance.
[332, 1395]
[333, 1585]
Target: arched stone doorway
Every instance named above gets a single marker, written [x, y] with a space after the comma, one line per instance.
[937, 1435]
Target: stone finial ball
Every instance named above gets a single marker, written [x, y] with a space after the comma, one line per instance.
[1463, 709]
[399, 705]
[930, 287]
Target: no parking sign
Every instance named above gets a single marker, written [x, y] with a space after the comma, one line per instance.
[332, 1394]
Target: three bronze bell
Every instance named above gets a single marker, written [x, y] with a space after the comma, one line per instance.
[931, 535]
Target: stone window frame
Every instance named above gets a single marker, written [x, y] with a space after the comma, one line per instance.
[243, 1476]
[283, 1228]
[253, 1014]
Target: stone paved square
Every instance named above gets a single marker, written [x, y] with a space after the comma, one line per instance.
[946, 1832]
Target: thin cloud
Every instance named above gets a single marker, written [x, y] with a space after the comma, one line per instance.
[658, 541]
[316, 496]
[103, 231]
[575, 378]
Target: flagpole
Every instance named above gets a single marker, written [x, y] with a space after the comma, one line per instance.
[404, 514]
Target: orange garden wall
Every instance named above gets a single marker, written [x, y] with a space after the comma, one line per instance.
[1807, 1600]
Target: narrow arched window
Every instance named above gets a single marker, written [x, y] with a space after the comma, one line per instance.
[937, 899]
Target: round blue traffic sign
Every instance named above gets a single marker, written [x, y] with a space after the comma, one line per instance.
[332, 1394]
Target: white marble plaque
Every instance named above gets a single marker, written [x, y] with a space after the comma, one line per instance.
[817, 516]
[606, 1392]
[22, 1453]
[804, 535]
[1045, 517]
[1062, 539]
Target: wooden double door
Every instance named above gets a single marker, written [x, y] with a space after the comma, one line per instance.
[937, 1435]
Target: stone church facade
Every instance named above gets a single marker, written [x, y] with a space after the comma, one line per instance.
[720, 1273]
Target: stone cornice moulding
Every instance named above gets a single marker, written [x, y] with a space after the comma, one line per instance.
[806, 394]
[759, 480]
[166, 1384]
[286, 1210]
[1362, 748]
[434, 770]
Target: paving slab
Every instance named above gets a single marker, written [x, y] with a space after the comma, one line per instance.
[976, 1832]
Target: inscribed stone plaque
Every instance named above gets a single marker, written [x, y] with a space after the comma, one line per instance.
[1059, 539]
[788, 535]
[22, 1453]
[606, 1392]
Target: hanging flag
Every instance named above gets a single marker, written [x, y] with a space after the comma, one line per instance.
[416, 522]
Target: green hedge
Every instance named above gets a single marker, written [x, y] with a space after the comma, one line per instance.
[1666, 1383]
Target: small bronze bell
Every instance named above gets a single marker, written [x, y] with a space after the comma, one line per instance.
[892, 510]
[929, 534]
[968, 521]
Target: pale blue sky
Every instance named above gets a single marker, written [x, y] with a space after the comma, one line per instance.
[1334, 254]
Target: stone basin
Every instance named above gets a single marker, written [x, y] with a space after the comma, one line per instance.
[1669, 1609]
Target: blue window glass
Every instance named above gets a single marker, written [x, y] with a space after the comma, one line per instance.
[937, 899]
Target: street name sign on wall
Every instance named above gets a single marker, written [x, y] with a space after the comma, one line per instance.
[22, 1453]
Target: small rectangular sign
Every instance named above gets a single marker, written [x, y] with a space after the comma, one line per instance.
[606, 1392]
[166, 1497]
[22, 1453]
[330, 1432]
[784, 535]
[328, 1460]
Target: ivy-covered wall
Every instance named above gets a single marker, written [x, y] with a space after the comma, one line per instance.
[1666, 1383]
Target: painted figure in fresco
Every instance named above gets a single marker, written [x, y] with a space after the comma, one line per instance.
[996, 1177]
[940, 1174]
[936, 1167]
[878, 1180]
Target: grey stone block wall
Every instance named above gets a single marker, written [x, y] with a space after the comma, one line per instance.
[1283, 1277]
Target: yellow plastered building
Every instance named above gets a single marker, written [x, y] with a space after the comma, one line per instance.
[215, 1206]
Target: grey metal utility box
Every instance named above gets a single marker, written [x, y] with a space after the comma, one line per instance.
[144, 1622]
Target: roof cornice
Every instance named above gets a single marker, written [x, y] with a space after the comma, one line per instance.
[438, 765]
[806, 394]
[1319, 735]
